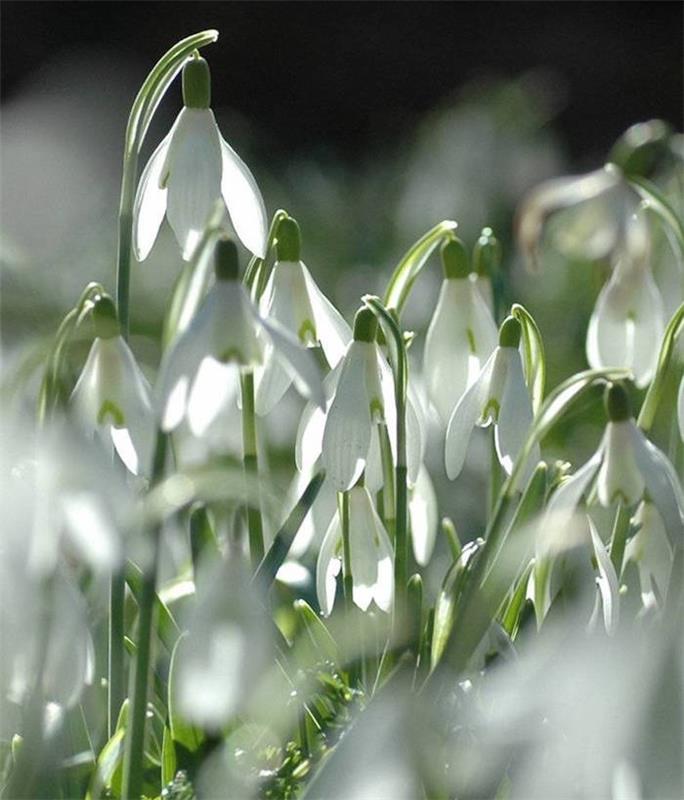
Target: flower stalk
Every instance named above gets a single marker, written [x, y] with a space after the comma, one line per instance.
[251, 467]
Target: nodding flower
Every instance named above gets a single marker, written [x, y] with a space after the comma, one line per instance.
[192, 169]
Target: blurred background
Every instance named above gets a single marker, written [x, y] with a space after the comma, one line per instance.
[368, 122]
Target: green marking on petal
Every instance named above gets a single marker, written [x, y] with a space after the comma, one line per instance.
[492, 410]
[307, 333]
[109, 410]
[232, 354]
[377, 410]
[471, 341]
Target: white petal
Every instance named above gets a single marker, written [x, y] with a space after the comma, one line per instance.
[243, 201]
[328, 567]
[464, 418]
[194, 182]
[362, 535]
[333, 332]
[415, 437]
[619, 478]
[650, 550]
[87, 395]
[424, 517]
[515, 416]
[318, 519]
[309, 439]
[215, 388]
[150, 200]
[346, 438]
[607, 582]
[680, 408]
[90, 530]
[286, 299]
[374, 477]
[662, 484]
[383, 593]
[272, 380]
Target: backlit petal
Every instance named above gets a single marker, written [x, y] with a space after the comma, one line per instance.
[243, 201]
[619, 478]
[328, 567]
[515, 416]
[423, 514]
[150, 201]
[333, 332]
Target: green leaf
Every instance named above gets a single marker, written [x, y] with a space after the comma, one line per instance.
[109, 767]
[656, 202]
[167, 627]
[318, 635]
[667, 352]
[534, 360]
[270, 564]
[408, 269]
[511, 616]
[156, 84]
[182, 732]
[255, 274]
[445, 608]
[168, 765]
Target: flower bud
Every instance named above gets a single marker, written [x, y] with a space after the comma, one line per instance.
[196, 84]
[288, 240]
[642, 148]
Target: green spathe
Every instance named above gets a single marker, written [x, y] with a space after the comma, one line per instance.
[455, 261]
[105, 319]
[226, 264]
[288, 240]
[196, 83]
[616, 400]
[509, 332]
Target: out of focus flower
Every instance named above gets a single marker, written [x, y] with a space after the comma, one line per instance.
[293, 299]
[190, 171]
[628, 320]
[651, 551]
[462, 333]
[370, 556]
[226, 330]
[680, 408]
[112, 397]
[499, 395]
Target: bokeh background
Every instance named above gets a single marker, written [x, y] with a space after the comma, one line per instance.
[368, 122]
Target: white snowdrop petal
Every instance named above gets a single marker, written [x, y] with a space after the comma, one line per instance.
[515, 416]
[649, 326]
[423, 513]
[661, 483]
[384, 555]
[333, 332]
[374, 476]
[271, 380]
[215, 387]
[607, 582]
[90, 531]
[680, 408]
[194, 182]
[415, 440]
[619, 478]
[362, 535]
[347, 434]
[243, 201]
[150, 201]
[328, 567]
[650, 550]
[87, 396]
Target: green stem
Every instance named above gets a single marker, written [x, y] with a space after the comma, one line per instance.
[123, 259]
[401, 542]
[251, 468]
[117, 595]
[347, 581]
[495, 475]
[619, 537]
[388, 497]
[133, 757]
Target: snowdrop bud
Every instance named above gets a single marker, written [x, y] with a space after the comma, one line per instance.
[365, 325]
[288, 240]
[196, 84]
[509, 333]
[455, 262]
[616, 400]
[226, 260]
[486, 253]
[104, 318]
[642, 147]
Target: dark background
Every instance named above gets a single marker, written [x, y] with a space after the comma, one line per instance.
[346, 77]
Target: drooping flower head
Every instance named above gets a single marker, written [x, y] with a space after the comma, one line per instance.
[462, 333]
[293, 299]
[192, 169]
[112, 397]
[498, 396]
[227, 331]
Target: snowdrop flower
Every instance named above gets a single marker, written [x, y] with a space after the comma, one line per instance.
[650, 550]
[294, 300]
[627, 468]
[370, 556]
[359, 396]
[111, 398]
[196, 372]
[629, 318]
[192, 169]
[461, 336]
[499, 396]
[486, 260]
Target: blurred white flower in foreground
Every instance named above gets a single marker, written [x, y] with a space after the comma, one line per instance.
[629, 318]
[293, 299]
[196, 372]
[370, 555]
[651, 551]
[500, 396]
[112, 397]
[190, 170]
[462, 333]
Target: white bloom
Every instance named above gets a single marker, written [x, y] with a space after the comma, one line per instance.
[424, 517]
[112, 397]
[226, 329]
[461, 336]
[370, 555]
[629, 318]
[190, 171]
[627, 466]
[293, 299]
[499, 395]
[651, 551]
